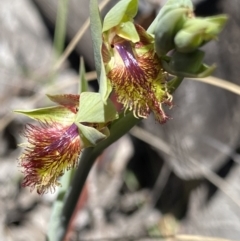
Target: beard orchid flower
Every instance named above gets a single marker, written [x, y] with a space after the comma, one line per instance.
[55, 143]
[132, 66]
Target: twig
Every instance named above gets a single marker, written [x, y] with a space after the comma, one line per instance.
[224, 84]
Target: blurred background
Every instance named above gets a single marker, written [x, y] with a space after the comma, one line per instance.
[159, 180]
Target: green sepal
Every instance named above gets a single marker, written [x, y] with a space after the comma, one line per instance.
[128, 31]
[69, 100]
[123, 11]
[220, 20]
[91, 136]
[166, 29]
[83, 85]
[179, 4]
[93, 110]
[105, 87]
[198, 31]
[188, 65]
[96, 32]
[58, 114]
[168, 7]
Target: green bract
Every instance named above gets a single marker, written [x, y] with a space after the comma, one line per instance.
[188, 65]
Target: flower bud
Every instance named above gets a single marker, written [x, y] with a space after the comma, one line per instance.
[198, 31]
[166, 29]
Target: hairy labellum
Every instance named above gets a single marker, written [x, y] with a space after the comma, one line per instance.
[52, 148]
[136, 74]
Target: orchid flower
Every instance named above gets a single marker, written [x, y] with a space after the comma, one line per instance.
[132, 66]
[54, 145]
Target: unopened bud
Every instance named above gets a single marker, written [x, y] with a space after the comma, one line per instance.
[198, 31]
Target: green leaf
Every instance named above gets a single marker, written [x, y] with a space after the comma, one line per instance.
[128, 31]
[90, 136]
[83, 85]
[93, 110]
[56, 113]
[123, 11]
[96, 32]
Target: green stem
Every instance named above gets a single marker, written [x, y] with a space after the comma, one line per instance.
[174, 83]
[58, 205]
[117, 130]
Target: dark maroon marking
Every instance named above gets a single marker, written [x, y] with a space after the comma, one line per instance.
[125, 51]
[64, 140]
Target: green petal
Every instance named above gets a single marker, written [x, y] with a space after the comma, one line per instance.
[93, 110]
[128, 31]
[56, 113]
[91, 136]
[105, 87]
[123, 11]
